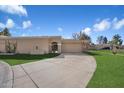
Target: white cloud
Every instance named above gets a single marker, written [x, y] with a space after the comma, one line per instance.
[115, 20]
[2, 25]
[87, 30]
[27, 24]
[10, 23]
[14, 9]
[103, 25]
[118, 24]
[60, 29]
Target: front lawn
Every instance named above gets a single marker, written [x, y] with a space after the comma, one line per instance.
[25, 58]
[110, 70]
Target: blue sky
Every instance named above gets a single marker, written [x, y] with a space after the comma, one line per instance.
[63, 20]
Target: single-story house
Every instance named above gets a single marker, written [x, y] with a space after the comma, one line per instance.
[41, 45]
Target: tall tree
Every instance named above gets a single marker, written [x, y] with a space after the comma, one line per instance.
[105, 40]
[117, 40]
[75, 36]
[5, 32]
[100, 39]
[81, 36]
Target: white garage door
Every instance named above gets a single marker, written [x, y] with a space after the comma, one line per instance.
[68, 48]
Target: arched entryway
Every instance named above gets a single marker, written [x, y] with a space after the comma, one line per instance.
[54, 47]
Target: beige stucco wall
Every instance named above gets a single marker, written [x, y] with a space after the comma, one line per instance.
[2, 46]
[41, 45]
[29, 46]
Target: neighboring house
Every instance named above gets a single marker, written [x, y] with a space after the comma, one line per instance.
[122, 47]
[41, 45]
[107, 46]
[103, 46]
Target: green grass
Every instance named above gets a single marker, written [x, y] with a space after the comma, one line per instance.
[110, 70]
[24, 58]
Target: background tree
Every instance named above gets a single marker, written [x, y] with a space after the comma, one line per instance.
[105, 40]
[117, 40]
[81, 36]
[102, 40]
[121, 42]
[5, 32]
[75, 36]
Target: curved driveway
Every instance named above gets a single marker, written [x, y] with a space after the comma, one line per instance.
[6, 75]
[70, 71]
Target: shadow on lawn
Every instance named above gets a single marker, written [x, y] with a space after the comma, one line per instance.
[28, 56]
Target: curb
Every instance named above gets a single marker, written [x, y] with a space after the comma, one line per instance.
[6, 75]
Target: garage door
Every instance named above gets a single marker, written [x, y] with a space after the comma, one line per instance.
[68, 48]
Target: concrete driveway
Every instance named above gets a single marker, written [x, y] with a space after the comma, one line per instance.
[72, 71]
[6, 75]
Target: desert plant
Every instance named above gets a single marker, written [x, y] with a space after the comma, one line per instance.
[11, 47]
[114, 49]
